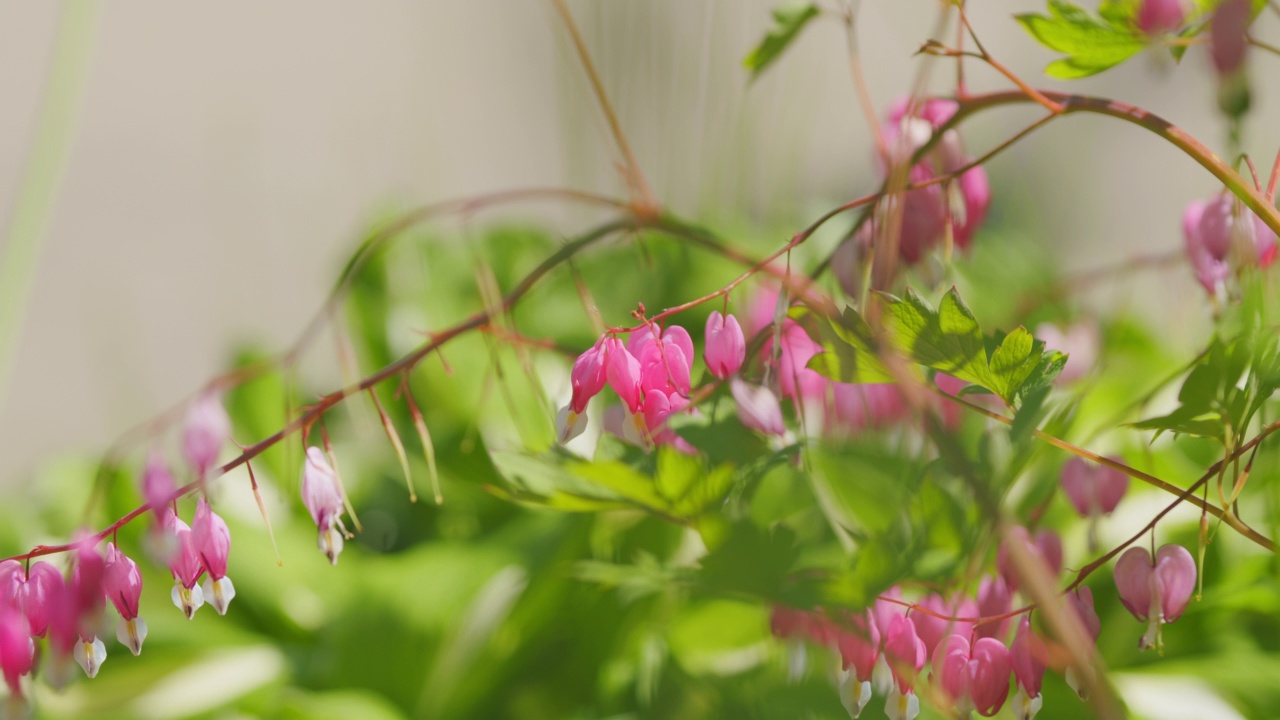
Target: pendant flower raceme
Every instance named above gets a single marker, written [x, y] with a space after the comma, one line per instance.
[323, 498]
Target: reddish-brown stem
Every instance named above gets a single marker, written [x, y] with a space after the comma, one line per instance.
[1275, 177]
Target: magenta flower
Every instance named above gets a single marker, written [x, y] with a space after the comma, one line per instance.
[931, 629]
[588, 379]
[994, 599]
[758, 407]
[80, 613]
[1093, 489]
[622, 371]
[974, 677]
[212, 541]
[206, 430]
[1028, 654]
[1047, 546]
[122, 584]
[186, 567]
[859, 648]
[1157, 17]
[1156, 591]
[905, 654]
[322, 496]
[17, 651]
[30, 592]
[1227, 35]
[726, 345]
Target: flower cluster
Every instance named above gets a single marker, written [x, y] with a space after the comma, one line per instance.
[1222, 238]
[965, 641]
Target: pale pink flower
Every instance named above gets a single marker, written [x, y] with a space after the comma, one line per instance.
[206, 430]
[1028, 654]
[1158, 590]
[1156, 17]
[758, 407]
[122, 584]
[185, 566]
[974, 677]
[931, 629]
[1227, 35]
[212, 541]
[322, 496]
[158, 486]
[1093, 489]
[1046, 546]
[1080, 343]
[994, 599]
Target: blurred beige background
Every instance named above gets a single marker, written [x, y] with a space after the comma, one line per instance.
[225, 157]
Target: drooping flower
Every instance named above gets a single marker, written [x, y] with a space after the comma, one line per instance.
[30, 592]
[933, 625]
[206, 430]
[859, 647]
[1093, 489]
[1156, 17]
[1046, 546]
[1080, 601]
[122, 584]
[212, 541]
[158, 486]
[322, 496]
[726, 345]
[757, 407]
[17, 651]
[665, 362]
[905, 653]
[1157, 591]
[186, 567]
[74, 620]
[1222, 234]
[1228, 35]
[975, 677]
[588, 378]
[994, 599]
[1027, 653]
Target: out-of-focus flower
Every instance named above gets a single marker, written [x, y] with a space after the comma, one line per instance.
[30, 591]
[1157, 17]
[758, 407]
[1046, 545]
[975, 677]
[1093, 489]
[322, 496]
[206, 430]
[905, 653]
[1027, 653]
[1227, 33]
[1080, 343]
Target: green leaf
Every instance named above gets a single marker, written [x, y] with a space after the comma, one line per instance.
[1091, 44]
[788, 21]
[849, 351]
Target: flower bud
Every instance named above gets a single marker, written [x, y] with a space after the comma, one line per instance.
[207, 429]
[726, 346]
[158, 486]
[1227, 33]
[1156, 17]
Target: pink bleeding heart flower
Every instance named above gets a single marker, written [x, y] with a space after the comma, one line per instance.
[933, 625]
[158, 486]
[1228, 35]
[122, 584]
[1210, 270]
[206, 430]
[212, 541]
[905, 654]
[757, 407]
[30, 592]
[994, 599]
[17, 651]
[1157, 17]
[859, 646]
[185, 566]
[622, 371]
[1080, 601]
[84, 599]
[795, 379]
[322, 496]
[1156, 591]
[868, 405]
[588, 378]
[1093, 489]
[726, 345]
[1028, 654]
[974, 677]
[974, 192]
[1046, 546]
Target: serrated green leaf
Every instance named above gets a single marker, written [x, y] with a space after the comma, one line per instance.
[1014, 361]
[788, 21]
[1091, 44]
[849, 351]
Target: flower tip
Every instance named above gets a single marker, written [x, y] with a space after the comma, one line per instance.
[132, 633]
[90, 655]
[219, 593]
[188, 600]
